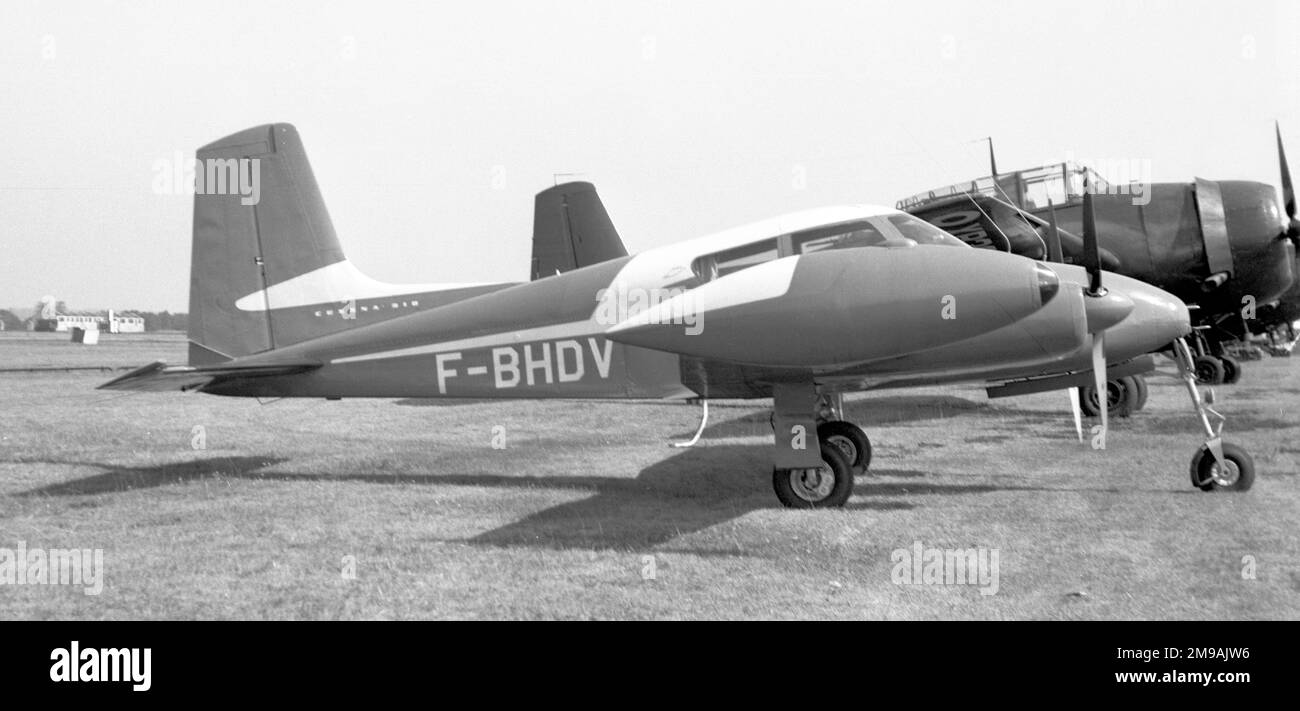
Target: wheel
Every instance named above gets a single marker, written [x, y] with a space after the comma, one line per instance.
[1239, 474]
[1142, 392]
[850, 439]
[828, 485]
[1125, 394]
[1121, 398]
[1209, 370]
[1088, 401]
[1231, 369]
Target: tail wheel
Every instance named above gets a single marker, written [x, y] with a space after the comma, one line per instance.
[1237, 473]
[1231, 369]
[1209, 370]
[828, 485]
[851, 441]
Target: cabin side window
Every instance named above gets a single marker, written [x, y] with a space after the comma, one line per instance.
[719, 264]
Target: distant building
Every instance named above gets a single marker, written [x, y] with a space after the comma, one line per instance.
[125, 322]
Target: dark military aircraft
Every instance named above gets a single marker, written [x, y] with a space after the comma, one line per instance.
[801, 308]
[1224, 247]
[1277, 322]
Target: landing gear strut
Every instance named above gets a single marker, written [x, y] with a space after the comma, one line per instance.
[817, 452]
[1217, 465]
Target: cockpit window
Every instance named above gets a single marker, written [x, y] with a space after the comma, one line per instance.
[857, 234]
[1040, 185]
[881, 231]
[922, 232]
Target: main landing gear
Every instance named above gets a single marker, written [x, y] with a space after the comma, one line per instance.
[842, 449]
[1211, 364]
[1124, 396]
[1217, 465]
[830, 484]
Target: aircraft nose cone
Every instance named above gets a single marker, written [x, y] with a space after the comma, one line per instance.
[1156, 319]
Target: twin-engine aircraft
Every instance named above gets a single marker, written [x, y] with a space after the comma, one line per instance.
[801, 308]
[1226, 247]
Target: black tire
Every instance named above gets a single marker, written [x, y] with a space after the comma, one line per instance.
[1121, 397]
[795, 490]
[1209, 370]
[1204, 467]
[1231, 369]
[851, 440]
[1143, 391]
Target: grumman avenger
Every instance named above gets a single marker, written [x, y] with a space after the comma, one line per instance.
[801, 308]
[1227, 247]
[1277, 322]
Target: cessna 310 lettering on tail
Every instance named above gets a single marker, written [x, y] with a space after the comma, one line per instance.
[801, 308]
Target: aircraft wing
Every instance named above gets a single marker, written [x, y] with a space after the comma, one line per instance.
[991, 223]
[158, 376]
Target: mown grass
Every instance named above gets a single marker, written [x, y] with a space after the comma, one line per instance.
[564, 520]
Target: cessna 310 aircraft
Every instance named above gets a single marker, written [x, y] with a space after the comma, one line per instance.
[801, 308]
[1224, 247]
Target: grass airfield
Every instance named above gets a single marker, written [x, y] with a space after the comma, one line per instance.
[584, 499]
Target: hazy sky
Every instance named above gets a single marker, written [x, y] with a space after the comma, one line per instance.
[431, 125]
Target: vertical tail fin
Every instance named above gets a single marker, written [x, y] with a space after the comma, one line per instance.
[571, 229]
[267, 270]
[258, 220]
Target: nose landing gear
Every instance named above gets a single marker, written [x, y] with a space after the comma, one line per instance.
[1217, 465]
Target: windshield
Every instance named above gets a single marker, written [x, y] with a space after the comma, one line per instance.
[922, 232]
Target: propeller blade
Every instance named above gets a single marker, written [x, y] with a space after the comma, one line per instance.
[1099, 379]
[1091, 251]
[1288, 190]
[1054, 253]
[1077, 410]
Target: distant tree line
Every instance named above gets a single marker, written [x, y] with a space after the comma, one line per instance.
[11, 321]
[164, 321]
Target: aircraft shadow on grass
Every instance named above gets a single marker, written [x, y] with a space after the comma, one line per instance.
[685, 493]
[440, 402]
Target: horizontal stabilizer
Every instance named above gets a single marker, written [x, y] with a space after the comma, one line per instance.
[159, 376]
